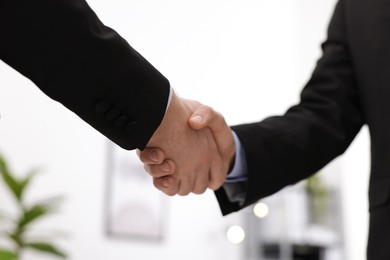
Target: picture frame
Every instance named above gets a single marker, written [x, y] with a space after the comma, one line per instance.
[134, 208]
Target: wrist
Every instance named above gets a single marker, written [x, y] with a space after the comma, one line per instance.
[173, 120]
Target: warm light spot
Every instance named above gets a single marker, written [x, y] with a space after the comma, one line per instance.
[236, 234]
[261, 210]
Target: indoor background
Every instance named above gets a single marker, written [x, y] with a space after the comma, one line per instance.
[247, 59]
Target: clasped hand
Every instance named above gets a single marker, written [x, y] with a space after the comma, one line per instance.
[192, 150]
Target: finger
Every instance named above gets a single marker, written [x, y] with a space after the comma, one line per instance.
[185, 187]
[201, 184]
[167, 185]
[201, 117]
[206, 116]
[151, 155]
[217, 175]
[167, 167]
[218, 170]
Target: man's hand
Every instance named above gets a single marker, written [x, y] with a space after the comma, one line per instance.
[199, 159]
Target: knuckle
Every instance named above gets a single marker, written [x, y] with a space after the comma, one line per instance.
[199, 191]
[151, 170]
[220, 116]
[208, 110]
[141, 157]
[184, 193]
[170, 193]
[214, 185]
[157, 184]
[147, 168]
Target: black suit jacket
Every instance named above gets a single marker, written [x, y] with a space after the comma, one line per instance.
[350, 87]
[64, 48]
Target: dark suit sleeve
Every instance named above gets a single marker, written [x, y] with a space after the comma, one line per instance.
[64, 48]
[285, 149]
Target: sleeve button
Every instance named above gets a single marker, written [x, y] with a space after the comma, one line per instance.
[120, 121]
[102, 107]
[112, 114]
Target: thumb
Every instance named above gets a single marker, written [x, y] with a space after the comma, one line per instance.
[205, 116]
[201, 117]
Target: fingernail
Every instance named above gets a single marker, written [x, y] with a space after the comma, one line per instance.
[153, 156]
[165, 183]
[165, 167]
[198, 118]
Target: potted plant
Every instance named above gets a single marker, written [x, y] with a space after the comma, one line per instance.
[27, 215]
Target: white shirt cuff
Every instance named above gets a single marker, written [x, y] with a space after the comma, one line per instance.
[169, 98]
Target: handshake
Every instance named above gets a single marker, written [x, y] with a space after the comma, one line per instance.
[193, 149]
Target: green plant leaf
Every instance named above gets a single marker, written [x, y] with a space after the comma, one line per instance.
[17, 186]
[11, 182]
[6, 254]
[46, 248]
[16, 236]
[35, 212]
[23, 183]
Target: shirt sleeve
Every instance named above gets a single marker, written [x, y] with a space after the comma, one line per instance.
[169, 98]
[236, 181]
[239, 171]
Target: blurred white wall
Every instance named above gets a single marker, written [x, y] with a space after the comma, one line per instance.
[248, 59]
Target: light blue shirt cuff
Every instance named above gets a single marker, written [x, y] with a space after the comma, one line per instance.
[239, 171]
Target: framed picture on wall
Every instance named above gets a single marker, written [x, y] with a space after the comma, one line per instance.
[134, 208]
